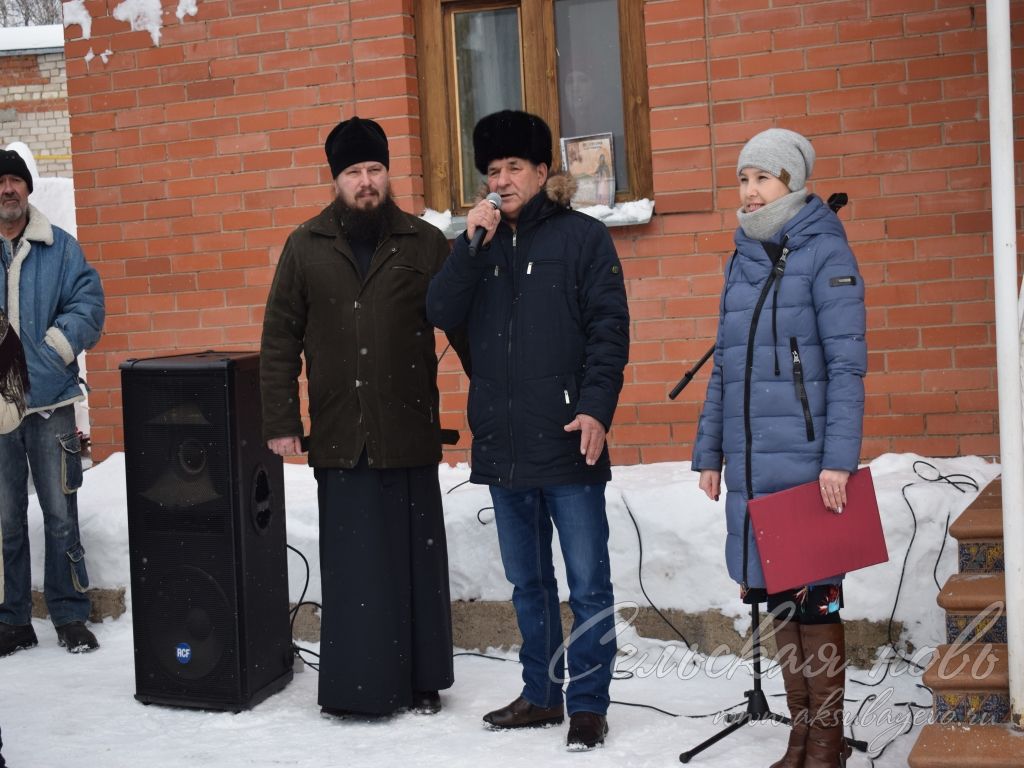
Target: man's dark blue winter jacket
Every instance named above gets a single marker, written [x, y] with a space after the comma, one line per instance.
[544, 306]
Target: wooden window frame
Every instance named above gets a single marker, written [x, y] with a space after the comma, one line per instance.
[540, 68]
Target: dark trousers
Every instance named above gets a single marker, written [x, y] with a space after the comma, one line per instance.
[819, 604]
[386, 627]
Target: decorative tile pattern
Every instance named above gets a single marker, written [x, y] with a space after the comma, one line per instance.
[972, 708]
[956, 626]
[981, 557]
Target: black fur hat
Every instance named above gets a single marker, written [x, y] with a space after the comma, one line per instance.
[356, 140]
[511, 133]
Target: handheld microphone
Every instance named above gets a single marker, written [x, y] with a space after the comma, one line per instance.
[478, 237]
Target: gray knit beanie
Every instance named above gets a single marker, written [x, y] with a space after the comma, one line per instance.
[785, 154]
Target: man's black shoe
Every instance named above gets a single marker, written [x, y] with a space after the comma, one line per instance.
[16, 637]
[586, 731]
[426, 702]
[76, 637]
[522, 714]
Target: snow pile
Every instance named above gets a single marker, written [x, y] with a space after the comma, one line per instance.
[186, 8]
[683, 539]
[441, 220]
[75, 12]
[622, 214]
[32, 38]
[142, 15]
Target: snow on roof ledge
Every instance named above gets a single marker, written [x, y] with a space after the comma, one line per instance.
[31, 38]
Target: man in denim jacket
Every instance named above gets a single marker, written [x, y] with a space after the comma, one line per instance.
[54, 301]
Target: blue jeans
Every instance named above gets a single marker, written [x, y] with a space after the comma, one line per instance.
[524, 520]
[52, 449]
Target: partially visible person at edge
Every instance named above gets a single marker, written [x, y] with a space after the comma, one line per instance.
[54, 302]
[13, 388]
[544, 305]
[785, 406]
[349, 296]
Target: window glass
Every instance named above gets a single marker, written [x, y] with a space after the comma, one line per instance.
[590, 74]
[488, 74]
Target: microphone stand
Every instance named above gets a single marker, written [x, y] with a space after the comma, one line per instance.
[757, 703]
[690, 374]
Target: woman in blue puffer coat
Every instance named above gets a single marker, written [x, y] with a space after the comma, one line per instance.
[785, 406]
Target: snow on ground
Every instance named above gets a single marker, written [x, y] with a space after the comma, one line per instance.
[56, 709]
[60, 710]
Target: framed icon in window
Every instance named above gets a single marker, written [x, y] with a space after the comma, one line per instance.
[590, 160]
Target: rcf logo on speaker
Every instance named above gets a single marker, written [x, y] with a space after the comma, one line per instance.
[184, 653]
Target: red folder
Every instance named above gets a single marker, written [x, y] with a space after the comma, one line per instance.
[801, 541]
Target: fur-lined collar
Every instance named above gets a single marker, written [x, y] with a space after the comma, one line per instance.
[38, 229]
[559, 188]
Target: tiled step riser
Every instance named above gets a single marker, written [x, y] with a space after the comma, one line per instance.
[957, 629]
[970, 729]
[972, 708]
[981, 557]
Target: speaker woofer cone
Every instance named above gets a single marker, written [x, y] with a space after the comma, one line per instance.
[192, 457]
[189, 610]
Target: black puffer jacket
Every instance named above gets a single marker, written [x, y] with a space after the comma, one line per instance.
[545, 309]
[368, 347]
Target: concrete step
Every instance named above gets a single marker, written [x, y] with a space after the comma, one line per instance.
[978, 524]
[970, 683]
[991, 496]
[973, 746]
[975, 606]
[979, 533]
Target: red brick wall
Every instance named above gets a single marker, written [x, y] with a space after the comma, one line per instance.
[894, 95]
[195, 158]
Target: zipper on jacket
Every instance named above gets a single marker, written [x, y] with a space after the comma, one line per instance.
[747, 431]
[508, 362]
[801, 390]
[780, 267]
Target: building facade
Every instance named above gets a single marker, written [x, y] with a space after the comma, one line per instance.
[197, 148]
[34, 97]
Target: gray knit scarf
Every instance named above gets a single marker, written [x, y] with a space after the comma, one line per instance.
[764, 223]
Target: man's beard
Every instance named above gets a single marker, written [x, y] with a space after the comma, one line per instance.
[14, 214]
[364, 224]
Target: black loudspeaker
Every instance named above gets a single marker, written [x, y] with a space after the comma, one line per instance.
[206, 533]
